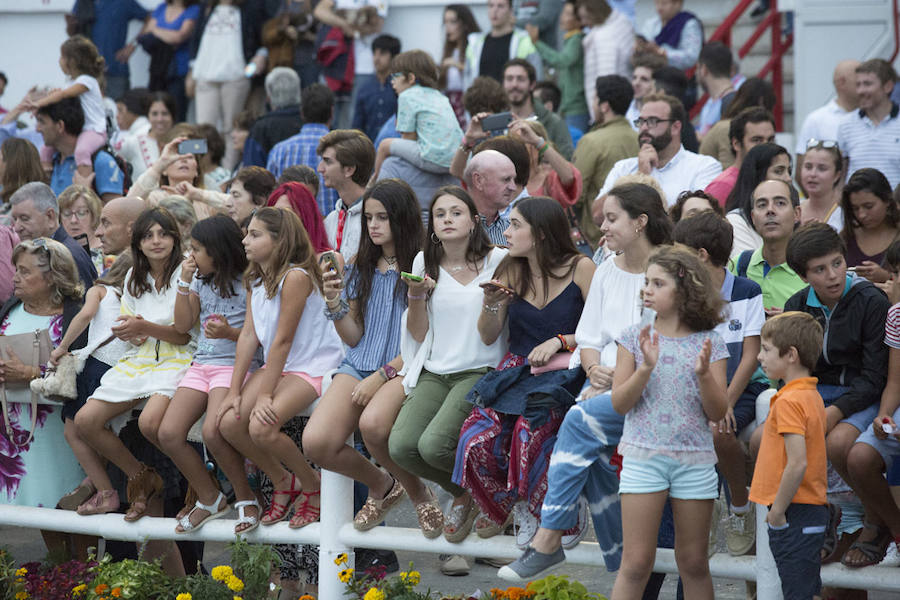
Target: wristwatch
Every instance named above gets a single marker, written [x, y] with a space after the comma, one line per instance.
[389, 371]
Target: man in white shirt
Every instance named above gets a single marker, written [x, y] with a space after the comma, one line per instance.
[661, 155]
[822, 123]
[347, 160]
[870, 137]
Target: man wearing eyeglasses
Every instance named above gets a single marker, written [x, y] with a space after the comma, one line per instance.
[870, 137]
[661, 155]
[35, 214]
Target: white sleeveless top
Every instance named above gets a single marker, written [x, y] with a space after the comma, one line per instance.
[101, 328]
[316, 348]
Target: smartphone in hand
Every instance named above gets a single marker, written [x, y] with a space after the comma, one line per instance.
[411, 277]
[197, 146]
[494, 286]
[497, 124]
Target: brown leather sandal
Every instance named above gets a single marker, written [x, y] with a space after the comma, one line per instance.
[141, 489]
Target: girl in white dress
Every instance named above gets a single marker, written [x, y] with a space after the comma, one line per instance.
[286, 316]
[150, 370]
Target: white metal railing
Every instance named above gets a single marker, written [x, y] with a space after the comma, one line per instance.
[335, 534]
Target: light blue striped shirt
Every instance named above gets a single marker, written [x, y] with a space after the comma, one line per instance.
[380, 342]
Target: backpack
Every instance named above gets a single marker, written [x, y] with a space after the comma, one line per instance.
[743, 262]
[123, 165]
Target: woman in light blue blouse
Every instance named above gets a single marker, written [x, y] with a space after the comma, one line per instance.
[366, 392]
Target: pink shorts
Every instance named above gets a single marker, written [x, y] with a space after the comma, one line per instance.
[315, 382]
[203, 378]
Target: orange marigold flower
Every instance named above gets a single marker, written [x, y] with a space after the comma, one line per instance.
[116, 592]
[101, 588]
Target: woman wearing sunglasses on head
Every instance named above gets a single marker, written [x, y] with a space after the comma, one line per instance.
[820, 176]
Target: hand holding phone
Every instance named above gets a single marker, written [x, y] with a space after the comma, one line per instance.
[411, 277]
[195, 146]
[496, 124]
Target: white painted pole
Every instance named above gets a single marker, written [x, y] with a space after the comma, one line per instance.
[337, 512]
[768, 584]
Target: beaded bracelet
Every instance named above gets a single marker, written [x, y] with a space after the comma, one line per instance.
[565, 344]
[419, 297]
[180, 291]
[491, 308]
[339, 314]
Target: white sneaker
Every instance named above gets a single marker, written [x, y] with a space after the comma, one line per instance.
[718, 511]
[525, 525]
[571, 540]
[741, 532]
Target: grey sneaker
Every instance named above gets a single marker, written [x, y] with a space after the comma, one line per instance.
[741, 533]
[532, 565]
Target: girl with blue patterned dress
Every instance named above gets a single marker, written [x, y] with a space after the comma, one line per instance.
[148, 373]
[366, 392]
[669, 383]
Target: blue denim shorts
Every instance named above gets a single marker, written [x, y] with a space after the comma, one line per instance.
[659, 473]
[861, 420]
[347, 369]
[887, 448]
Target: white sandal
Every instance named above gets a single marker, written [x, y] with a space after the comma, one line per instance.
[245, 519]
[213, 510]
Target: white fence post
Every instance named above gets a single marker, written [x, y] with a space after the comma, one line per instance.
[337, 510]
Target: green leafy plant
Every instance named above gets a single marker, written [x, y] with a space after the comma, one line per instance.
[12, 582]
[201, 586]
[558, 587]
[132, 579]
[253, 564]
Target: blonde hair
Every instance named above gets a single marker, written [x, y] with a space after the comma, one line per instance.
[797, 329]
[58, 267]
[72, 193]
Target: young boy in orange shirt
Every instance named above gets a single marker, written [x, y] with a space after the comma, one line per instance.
[790, 476]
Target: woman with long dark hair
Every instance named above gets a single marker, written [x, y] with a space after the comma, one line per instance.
[766, 161]
[442, 359]
[365, 392]
[538, 294]
[147, 375]
[871, 222]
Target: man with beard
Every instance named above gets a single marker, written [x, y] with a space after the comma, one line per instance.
[611, 140]
[661, 155]
[871, 136]
[519, 79]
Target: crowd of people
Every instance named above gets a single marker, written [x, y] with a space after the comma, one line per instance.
[517, 271]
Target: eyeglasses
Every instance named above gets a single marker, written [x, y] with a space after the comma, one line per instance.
[80, 213]
[650, 122]
[397, 75]
[827, 144]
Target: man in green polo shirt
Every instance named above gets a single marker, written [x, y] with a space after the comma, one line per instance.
[774, 212]
[609, 142]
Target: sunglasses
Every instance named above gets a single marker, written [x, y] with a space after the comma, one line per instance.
[812, 143]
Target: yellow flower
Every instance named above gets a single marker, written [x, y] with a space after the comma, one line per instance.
[21, 572]
[222, 572]
[345, 575]
[236, 598]
[184, 596]
[21, 595]
[340, 560]
[79, 589]
[412, 577]
[374, 594]
[234, 583]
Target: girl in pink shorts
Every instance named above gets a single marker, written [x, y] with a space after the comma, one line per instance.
[211, 290]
